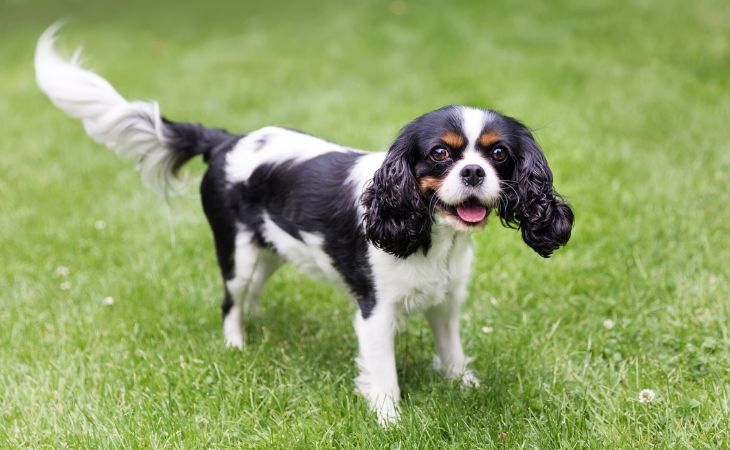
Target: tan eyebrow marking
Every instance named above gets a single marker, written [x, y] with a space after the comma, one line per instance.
[453, 140]
[489, 138]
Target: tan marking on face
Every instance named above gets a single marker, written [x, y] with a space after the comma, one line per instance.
[430, 184]
[489, 138]
[453, 140]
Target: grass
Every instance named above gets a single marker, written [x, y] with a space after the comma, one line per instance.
[630, 102]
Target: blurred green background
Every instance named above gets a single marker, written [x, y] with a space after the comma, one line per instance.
[629, 99]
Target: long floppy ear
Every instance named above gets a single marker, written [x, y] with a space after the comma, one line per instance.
[396, 217]
[530, 203]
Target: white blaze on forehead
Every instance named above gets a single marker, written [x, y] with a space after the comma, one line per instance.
[473, 121]
[453, 190]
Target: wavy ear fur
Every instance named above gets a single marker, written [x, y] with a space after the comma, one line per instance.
[396, 215]
[533, 206]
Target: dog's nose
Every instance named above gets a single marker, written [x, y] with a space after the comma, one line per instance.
[473, 175]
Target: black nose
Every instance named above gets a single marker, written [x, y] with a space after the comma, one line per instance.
[473, 175]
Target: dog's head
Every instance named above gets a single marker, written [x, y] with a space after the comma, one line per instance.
[456, 164]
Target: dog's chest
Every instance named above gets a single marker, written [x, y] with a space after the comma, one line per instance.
[421, 281]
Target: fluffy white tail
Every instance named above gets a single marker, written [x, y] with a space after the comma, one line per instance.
[134, 129]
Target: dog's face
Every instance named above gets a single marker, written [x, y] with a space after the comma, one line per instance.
[459, 162]
[456, 164]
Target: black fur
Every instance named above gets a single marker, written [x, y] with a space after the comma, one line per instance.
[227, 303]
[312, 196]
[529, 201]
[397, 217]
[219, 208]
[191, 139]
[309, 196]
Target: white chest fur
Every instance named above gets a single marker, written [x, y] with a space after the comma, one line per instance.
[420, 281]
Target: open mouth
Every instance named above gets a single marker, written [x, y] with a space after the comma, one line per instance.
[470, 212]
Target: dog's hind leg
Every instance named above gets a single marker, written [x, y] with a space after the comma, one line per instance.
[244, 262]
[253, 265]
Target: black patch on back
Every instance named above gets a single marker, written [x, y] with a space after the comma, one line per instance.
[313, 196]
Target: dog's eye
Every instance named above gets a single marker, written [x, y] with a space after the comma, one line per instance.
[499, 154]
[439, 154]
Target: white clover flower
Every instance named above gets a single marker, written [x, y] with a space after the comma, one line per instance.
[108, 301]
[99, 225]
[62, 271]
[646, 395]
[608, 324]
[487, 330]
[65, 286]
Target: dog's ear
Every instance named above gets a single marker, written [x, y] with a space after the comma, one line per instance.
[396, 217]
[530, 203]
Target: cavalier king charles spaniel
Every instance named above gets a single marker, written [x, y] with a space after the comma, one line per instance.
[392, 230]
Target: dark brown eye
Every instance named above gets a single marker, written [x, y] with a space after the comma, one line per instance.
[499, 154]
[439, 154]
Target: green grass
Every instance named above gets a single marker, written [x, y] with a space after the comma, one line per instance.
[631, 104]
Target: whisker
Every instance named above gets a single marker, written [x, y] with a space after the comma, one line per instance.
[432, 205]
[509, 184]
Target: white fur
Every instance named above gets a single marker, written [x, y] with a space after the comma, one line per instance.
[419, 281]
[378, 380]
[132, 129]
[252, 267]
[453, 190]
[434, 283]
[443, 318]
[233, 327]
[472, 123]
[273, 145]
[362, 173]
[307, 254]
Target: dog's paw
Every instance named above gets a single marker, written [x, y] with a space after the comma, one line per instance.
[457, 372]
[384, 405]
[469, 380]
[388, 413]
[233, 333]
[234, 341]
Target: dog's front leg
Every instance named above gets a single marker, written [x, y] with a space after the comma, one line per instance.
[378, 380]
[450, 360]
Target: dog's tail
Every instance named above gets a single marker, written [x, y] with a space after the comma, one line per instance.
[132, 129]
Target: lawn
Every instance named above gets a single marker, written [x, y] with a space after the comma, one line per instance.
[110, 333]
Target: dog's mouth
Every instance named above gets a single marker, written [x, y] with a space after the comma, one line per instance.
[471, 212]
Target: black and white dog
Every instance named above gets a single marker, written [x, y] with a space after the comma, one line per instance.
[392, 229]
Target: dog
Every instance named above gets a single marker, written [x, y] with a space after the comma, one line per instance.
[393, 230]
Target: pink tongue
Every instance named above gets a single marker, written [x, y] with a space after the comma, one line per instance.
[474, 213]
